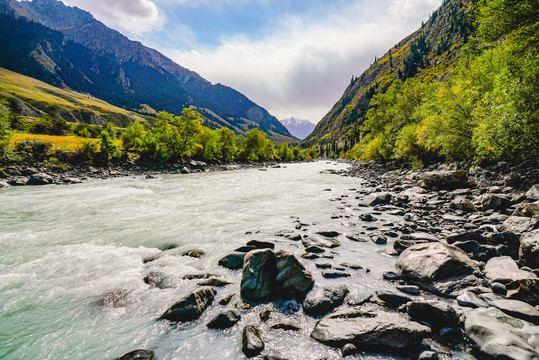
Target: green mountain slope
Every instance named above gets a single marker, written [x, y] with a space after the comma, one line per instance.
[428, 53]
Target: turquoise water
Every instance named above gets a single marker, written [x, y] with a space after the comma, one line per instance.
[63, 247]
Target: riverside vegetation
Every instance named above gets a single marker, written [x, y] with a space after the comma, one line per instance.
[170, 142]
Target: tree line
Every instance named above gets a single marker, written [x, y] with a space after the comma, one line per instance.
[170, 139]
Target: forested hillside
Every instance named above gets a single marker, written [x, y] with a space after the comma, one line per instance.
[464, 87]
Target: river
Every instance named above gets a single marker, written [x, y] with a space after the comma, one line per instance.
[63, 247]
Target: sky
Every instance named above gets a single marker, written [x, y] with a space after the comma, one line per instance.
[293, 57]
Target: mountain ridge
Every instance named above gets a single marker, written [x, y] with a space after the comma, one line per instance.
[299, 128]
[426, 52]
[73, 49]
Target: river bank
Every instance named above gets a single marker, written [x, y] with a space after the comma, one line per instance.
[48, 174]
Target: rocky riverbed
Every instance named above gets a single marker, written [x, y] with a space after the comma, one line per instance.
[465, 249]
[465, 283]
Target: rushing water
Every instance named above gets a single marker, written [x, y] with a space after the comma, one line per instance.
[63, 247]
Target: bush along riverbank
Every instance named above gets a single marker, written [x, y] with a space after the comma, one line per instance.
[465, 285]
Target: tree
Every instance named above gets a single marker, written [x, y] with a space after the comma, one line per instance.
[107, 143]
[189, 127]
[5, 133]
[227, 144]
[255, 146]
[133, 137]
[209, 144]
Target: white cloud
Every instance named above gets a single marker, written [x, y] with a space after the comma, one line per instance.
[135, 16]
[301, 68]
[413, 10]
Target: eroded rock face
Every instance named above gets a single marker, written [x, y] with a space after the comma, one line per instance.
[384, 331]
[501, 336]
[322, 300]
[505, 270]
[434, 261]
[191, 306]
[529, 248]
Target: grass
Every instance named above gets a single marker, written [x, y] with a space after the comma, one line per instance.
[37, 92]
[62, 143]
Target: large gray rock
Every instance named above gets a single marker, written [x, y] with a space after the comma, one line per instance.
[449, 180]
[494, 202]
[232, 261]
[259, 272]
[461, 203]
[268, 275]
[292, 279]
[224, 320]
[533, 193]
[437, 313]
[529, 248]
[40, 179]
[501, 336]
[191, 306]
[378, 198]
[518, 309]
[519, 224]
[252, 343]
[322, 300]
[430, 262]
[505, 270]
[384, 331]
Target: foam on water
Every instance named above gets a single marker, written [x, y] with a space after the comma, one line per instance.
[63, 247]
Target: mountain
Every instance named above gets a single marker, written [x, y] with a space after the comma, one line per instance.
[428, 53]
[67, 47]
[298, 128]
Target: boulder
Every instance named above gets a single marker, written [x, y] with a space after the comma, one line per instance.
[4, 185]
[493, 202]
[159, 280]
[500, 336]
[524, 290]
[214, 282]
[519, 224]
[259, 273]
[518, 309]
[387, 332]
[232, 261]
[461, 203]
[445, 180]
[469, 299]
[224, 320]
[437, 313]
[505, 270]
[533, 193]
[434, 261]
[261, 244]
[323, 300]
[527, 210]
[115, 299]
[329, 234]
[401, 244]
[191, 306]
[252, 343]
[40, 179]
[292, 279]
[378, 198]
[529, 248]
[139, 354]
[392, 300]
